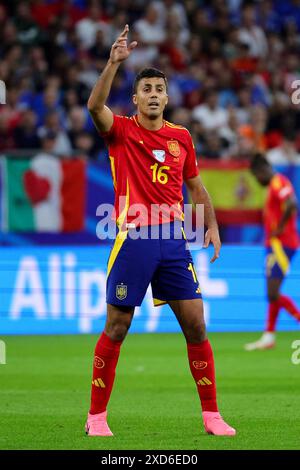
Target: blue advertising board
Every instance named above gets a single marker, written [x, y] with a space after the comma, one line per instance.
[60, 290]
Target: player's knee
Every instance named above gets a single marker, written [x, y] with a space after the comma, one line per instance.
[195, 332]
[273, 296]
[117, 331]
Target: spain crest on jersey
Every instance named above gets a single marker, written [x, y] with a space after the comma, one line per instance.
[121, 291]
[173, 147]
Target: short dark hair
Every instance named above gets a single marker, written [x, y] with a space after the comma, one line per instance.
[259, 161]
[149, 73]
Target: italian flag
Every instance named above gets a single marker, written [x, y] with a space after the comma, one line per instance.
[43, 194]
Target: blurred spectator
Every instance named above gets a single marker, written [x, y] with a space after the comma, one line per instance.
[71, 81]
[87, 74]
[86, 29]
[268, 18]
[25, 135]
[243, 63]
[173, 45]
[6, 135]
[286, 152]
[174, 25]
[142, 55]
[27, 30]
[99, 50]
[84, 142]
[48, 143]
[11, 110]
[181, 116]
[62, 145]
[197, 133]
[244, 105]
[77, 122]
[3, 15]
[230, 67]
[252, 34]
[210, 114]
[79, 132]
[47, 102]
[212, 145]
[9, 35]
[200, 25]
[43, 12]
[228, 135]
[173, 8]
[251, 136]
[149, 28]
[119, 19]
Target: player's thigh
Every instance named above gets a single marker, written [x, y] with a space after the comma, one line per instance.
[131, 271]
[190, 316]
[176, 277]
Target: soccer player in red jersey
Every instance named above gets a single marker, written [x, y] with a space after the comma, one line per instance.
[150, 159]
[282, 241]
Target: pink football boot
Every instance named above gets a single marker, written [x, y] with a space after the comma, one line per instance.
[96, 425]
[214, 424]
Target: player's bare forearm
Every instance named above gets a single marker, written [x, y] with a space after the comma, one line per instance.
[200, 196]
[289, 210]
[101, 114]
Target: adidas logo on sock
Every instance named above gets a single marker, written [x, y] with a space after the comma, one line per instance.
[204, 381]
[98, 383]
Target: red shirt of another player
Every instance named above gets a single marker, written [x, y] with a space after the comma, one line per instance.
[148, 168]
[280, 188]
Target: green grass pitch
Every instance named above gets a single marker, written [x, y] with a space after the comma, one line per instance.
[45, 389]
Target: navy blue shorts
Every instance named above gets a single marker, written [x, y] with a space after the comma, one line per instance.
[165, 263]
[278, 258]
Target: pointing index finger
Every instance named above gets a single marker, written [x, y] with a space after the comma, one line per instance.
[125, 31]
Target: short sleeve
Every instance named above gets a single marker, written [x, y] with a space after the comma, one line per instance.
[117, 130]
[190, 169]
[282, 188]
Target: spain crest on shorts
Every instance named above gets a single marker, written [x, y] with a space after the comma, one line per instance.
[121, 291]
[173, 147]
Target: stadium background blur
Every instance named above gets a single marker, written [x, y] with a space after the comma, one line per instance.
[230, 65]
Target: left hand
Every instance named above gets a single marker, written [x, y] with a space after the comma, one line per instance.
[276, 232]
[212, 236]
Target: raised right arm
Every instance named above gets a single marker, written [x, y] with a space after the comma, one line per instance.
[101, 114]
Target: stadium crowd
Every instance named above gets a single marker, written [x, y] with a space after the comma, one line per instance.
[231, 65]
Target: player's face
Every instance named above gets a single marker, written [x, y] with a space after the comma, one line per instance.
[263, 176]
[151, 97]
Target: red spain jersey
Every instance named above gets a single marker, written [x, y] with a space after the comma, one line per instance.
[148, 170]
[280, 188]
